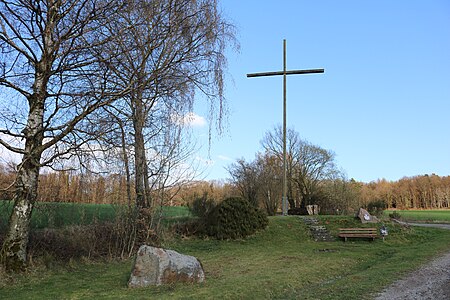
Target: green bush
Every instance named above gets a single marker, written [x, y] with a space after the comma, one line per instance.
[395, 215]
[376, 207]
[202, 206]
[235, 218]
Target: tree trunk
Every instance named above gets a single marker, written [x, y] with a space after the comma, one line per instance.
[290, 195]
[140, 159]
[13, 254]
[125, 160]
[14, 250]
[148, 198]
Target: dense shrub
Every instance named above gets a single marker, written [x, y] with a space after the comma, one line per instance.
[297, 211]
[202, 206]
[235, 218]
[117, 239]
[376, 207]
[71, 242]
[395, 215]
[261, 219]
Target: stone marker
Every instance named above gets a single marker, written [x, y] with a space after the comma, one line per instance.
[156, 266]
[365, 217]
[313, 209]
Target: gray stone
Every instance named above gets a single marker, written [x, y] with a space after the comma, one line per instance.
[320, 234]
[156, 266]
[310, 221]
[365, 217]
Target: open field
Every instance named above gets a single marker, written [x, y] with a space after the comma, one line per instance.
[426, 216]
[57, 215]
[280, 263]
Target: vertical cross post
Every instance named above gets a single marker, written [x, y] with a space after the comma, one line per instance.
[284, 199]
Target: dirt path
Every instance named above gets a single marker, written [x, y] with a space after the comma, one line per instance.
[442, 226]
[431, 281]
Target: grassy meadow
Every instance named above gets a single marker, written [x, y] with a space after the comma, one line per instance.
[57, 215]
[282, 262]
[425, 216]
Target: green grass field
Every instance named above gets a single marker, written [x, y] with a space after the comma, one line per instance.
[279, 263]
[430, 216]
[57, 215]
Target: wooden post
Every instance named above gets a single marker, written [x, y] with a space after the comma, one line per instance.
[284, 200]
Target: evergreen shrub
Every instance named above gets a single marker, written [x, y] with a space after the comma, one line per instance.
[395, 215]
[235, 218]
[202, 206]
[376, 207]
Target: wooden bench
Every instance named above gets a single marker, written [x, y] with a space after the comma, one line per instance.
[358, 233]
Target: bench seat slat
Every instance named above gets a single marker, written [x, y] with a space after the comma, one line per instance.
[358, 234]
[354, 232]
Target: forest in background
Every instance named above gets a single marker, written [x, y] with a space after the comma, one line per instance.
[417, 192]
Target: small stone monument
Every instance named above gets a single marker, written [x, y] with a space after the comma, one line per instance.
[365, 217]
[313, 209]
[157, 266]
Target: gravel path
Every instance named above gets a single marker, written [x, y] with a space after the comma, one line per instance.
[431, 281]
[442, 226]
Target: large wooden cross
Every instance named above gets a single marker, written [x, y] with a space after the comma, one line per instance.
[285, 73]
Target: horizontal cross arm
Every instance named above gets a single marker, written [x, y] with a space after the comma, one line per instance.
[292, 72]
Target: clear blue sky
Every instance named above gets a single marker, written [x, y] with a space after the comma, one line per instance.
[383, 103]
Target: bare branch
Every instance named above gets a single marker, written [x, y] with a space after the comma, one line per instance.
[11, 148]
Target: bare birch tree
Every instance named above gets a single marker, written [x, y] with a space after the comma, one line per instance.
[166, 52]
[179, 50]
[51, 78]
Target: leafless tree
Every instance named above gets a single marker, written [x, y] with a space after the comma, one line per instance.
[272, 144]
[307, 164]
[269, 171]
[51, 78]
[166, 52]
[245, 176]
[179, 49]
[258, 181]
[63, 60]
[314, 165]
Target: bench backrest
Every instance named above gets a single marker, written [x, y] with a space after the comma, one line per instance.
[358, 230]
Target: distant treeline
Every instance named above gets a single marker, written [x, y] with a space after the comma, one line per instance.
[418, 192]
[67, 186]
[73, 187]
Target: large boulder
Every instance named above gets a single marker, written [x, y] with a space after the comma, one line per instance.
[365, 217]
[156, 266]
